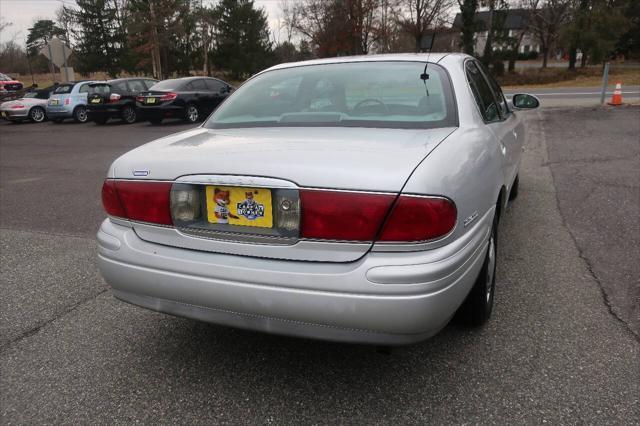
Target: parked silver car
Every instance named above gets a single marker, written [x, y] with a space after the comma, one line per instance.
[69, 100]
[31, 106]
[351, 199]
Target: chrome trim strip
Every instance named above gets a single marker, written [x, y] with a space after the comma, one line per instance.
[237, 180]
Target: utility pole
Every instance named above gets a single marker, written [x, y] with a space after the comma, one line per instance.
[155, 54]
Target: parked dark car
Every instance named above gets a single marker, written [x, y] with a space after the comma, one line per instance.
[116, 99]
[191, 99]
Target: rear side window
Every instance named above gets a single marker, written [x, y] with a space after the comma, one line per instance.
[84, 88]
[98, 88]
[482, 93]
[168, 85]
[120, 87]
[63, 88]
[197, 85]
[214, 85]
[136, 86]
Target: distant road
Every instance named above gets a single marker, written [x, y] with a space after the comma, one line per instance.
[565, 96]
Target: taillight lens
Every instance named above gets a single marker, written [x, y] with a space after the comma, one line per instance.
[18, 106]
[139, 98]
[67, 101]
[140, 201]
[114, 97]
[185, 203]
[169, 96]
[419, 219]
[333, 215]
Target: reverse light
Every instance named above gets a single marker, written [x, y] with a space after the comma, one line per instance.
[185, 203]
[138, 200]
[169, 96]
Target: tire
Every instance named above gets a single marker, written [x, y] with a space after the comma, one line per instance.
[513, 194]
[477, 307]
[155, 120]
[37, 114]
[128, 114]
[80, 114]
[101, 120]
[191, 114]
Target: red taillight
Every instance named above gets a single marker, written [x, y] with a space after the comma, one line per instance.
[139, 98]
[67, 101]
[333, 215]
[18, 106]
[419, 219]
[140, 201]
[169, 96]
[114, 97]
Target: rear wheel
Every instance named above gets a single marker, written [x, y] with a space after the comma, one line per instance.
[37, 114]
[80, 114]
[129, 114]
[513, 194]
[477, 307]
[192, 114]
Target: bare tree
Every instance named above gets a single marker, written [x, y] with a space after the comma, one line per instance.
[418, 16]
[547, 17]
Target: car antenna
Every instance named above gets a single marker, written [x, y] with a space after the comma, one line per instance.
[427, 40]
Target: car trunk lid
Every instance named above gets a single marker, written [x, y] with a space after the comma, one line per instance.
[282, 162]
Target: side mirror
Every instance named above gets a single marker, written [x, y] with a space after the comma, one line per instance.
[525, 101]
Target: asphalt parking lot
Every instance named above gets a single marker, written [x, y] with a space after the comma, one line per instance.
[562, 346]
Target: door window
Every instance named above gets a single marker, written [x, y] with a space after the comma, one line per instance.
[84, 88]
[482, 93]
[497, 91]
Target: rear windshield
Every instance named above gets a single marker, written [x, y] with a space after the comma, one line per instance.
[167, 85]
[63, 88]
[364, 94]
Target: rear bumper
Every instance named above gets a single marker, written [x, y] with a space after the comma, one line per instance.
[286, 297]
[103, 112]
[164, 111]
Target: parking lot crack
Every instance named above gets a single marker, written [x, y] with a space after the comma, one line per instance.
[42, 325]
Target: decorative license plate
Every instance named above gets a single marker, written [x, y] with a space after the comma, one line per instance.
[95, 100]
[239, 206]
[151, 100]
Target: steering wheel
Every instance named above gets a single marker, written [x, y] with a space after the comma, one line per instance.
[372, 100]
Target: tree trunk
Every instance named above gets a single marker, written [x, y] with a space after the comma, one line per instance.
[545, 56]
[573, 54]
[583, 61]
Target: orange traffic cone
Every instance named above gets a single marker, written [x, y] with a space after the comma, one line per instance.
[616, 99]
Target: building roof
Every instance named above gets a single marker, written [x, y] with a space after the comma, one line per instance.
[516, 19]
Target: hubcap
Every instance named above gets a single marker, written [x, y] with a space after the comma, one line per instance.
[82, 115]
[129, 114]
[192, 113]
[37, 114]
[491, 267]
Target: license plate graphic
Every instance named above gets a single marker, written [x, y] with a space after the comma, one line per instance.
[239, 206]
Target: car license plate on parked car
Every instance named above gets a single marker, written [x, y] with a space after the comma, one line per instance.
[55, 101]
[151, 100]
[95, 100]
[239, 206]
[4, 114]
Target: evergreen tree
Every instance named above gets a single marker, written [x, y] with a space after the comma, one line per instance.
[42, 31]
[243, 45]
[101, 39]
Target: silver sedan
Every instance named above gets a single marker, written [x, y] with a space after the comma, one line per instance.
[350, 199]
